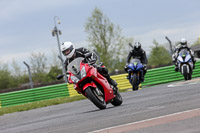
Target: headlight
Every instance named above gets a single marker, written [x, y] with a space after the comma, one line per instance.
[74, 79]
[135, 63]
[180, 58]
[83, 72]
[187, 58]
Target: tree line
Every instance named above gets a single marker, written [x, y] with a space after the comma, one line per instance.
[103, 36]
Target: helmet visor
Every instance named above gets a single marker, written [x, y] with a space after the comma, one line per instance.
[68, 51]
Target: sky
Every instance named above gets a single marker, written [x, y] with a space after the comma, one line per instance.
[26, 25]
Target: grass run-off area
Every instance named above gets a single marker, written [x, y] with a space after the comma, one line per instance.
[43, 103]
[39, 104]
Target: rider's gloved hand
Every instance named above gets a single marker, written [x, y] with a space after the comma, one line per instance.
[145, 66]
[176, 55]
[92, 59]
[126, 67]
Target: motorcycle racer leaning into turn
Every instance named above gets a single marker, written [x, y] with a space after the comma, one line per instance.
[182, 45]
[68, 49]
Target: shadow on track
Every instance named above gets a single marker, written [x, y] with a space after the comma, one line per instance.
[96, 110]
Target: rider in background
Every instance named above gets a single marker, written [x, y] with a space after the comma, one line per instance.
[182, 45]
[68, 49]
[138, 53]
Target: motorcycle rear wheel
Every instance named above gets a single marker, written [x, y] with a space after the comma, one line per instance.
[98, 100]
[117, 100]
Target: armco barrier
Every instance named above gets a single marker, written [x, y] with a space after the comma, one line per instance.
[153, 77]
[31, 95]
[0, 103]
[157, 76]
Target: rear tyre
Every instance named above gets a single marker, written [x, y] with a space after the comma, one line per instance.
[96, 98]
[117, 100]
[134, 82]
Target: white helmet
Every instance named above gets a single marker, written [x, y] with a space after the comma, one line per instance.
[68, 49]
[183, 41]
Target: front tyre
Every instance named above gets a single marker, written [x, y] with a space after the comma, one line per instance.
[95, 97]
[185, 74]
[134, 82]
[117, 100]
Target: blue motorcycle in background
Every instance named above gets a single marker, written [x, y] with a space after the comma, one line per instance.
[134, 69]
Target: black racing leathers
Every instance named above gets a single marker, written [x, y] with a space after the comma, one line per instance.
[140, 54]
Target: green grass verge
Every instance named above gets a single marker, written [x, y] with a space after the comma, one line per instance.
[39, 104]
[43, 103]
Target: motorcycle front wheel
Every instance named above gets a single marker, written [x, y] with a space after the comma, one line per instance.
[185, 73]
[134, 82]
[96, 96]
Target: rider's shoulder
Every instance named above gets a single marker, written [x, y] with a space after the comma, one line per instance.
[84, 49]
[80, 49]
[143, 51]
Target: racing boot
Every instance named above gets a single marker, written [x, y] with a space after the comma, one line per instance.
[176, 68]
[113, 85]
[194, 61]
[142, 77]
[127, 77]
[104, 72]
[112, 82]
[142, 73]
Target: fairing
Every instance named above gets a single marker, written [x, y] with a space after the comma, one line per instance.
[82, 71]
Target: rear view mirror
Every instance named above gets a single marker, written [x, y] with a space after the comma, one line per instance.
[60, 76]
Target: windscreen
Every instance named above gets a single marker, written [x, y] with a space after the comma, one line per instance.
[135, 61]
[183, 51]
[74, 66]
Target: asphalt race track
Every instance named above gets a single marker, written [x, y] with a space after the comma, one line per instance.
[167, 108]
